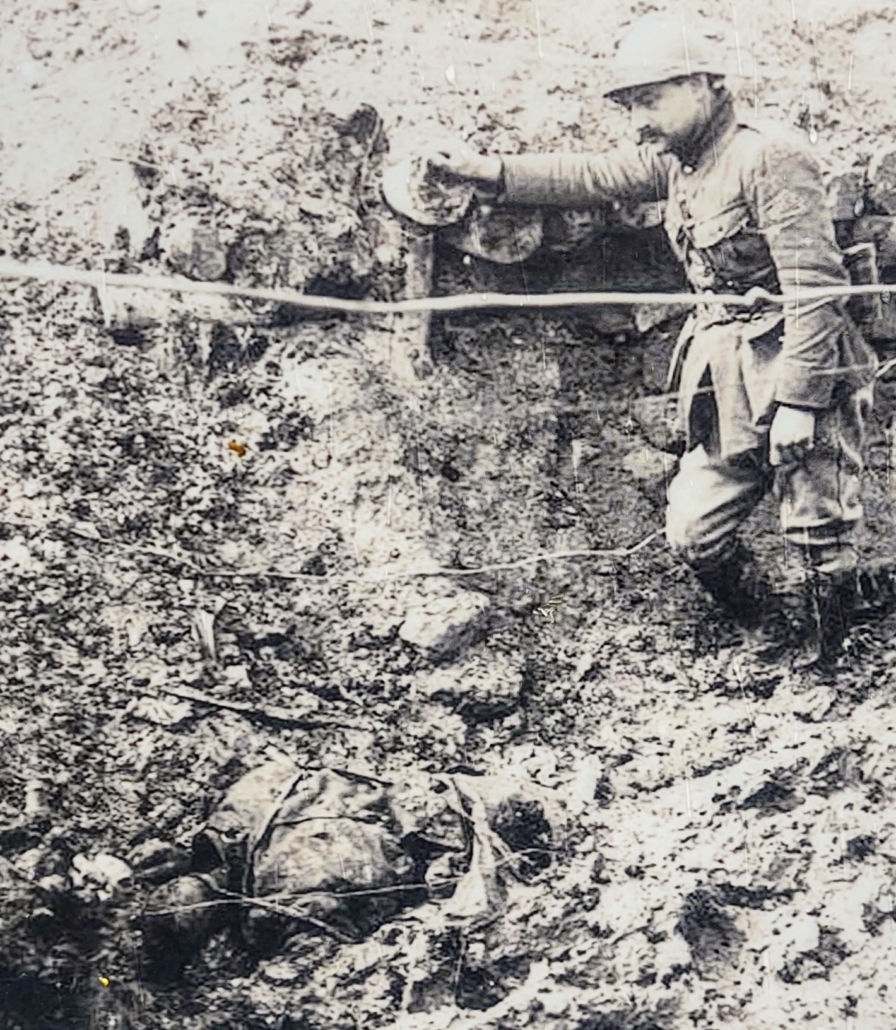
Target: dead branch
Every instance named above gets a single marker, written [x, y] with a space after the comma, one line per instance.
[281, 716]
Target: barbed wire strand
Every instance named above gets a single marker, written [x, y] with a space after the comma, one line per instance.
[11, 268]
[226, 897]
[386, 575]
[382, 574]
[102, 281]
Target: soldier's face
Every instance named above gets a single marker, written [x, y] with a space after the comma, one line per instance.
[666, 113]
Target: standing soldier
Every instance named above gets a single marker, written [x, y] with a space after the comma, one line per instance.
[767, 397]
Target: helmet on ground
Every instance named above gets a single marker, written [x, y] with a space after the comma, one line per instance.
[661, 47]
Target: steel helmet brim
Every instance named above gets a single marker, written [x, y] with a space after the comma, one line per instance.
[637, 79]
[659, 49]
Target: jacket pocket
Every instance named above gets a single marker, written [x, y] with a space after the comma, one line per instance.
[733, 251]
[721, 225]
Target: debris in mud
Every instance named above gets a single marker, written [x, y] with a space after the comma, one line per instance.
[711, 934]
[443, 626]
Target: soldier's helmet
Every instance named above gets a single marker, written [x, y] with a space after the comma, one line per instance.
[661, 47]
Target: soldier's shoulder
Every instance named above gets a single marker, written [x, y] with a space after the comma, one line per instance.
[769, 148]
[768, 134]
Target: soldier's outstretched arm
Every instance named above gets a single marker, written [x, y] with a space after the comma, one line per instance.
[627, 173]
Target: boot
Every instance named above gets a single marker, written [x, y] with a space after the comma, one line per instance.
[738, 597]
[827, 603]
[875, 589]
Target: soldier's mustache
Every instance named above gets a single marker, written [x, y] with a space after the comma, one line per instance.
[647, 134]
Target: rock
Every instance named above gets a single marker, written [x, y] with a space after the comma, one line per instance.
[583, 787]
[105, 871]
[712, 936]
[649, 316]
[280, 972]
[774, 796]
[35, 799]
[53, 886]
[442, 627]
[166, 814]
[815, 704]
[29, 863]
[160, 711]
[195, 250]
[647, 463]
[16, 557]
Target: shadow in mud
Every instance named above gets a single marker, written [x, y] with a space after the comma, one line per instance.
[29, 1003]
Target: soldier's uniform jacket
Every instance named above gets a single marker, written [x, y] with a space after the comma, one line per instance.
[744, 207]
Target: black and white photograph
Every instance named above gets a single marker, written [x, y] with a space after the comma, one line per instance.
[447, 529]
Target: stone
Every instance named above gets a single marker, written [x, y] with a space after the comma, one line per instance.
[649, 316]
[280, 973]
[195, 250]
[815, 704]
[444, 626]
[103, 874]
[647, 463]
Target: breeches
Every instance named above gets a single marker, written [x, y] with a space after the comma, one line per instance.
[820, 503]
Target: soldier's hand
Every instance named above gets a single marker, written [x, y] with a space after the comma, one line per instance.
[455, 162]
[792, 436]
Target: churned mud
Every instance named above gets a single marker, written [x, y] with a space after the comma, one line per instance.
[199, 501]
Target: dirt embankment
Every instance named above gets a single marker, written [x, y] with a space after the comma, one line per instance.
[733, 864]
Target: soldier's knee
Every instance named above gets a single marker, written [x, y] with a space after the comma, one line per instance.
[695, 539]
[684, 536]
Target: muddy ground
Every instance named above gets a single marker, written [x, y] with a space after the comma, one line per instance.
[731, 863]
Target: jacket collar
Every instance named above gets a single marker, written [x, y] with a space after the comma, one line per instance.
[706, 142]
